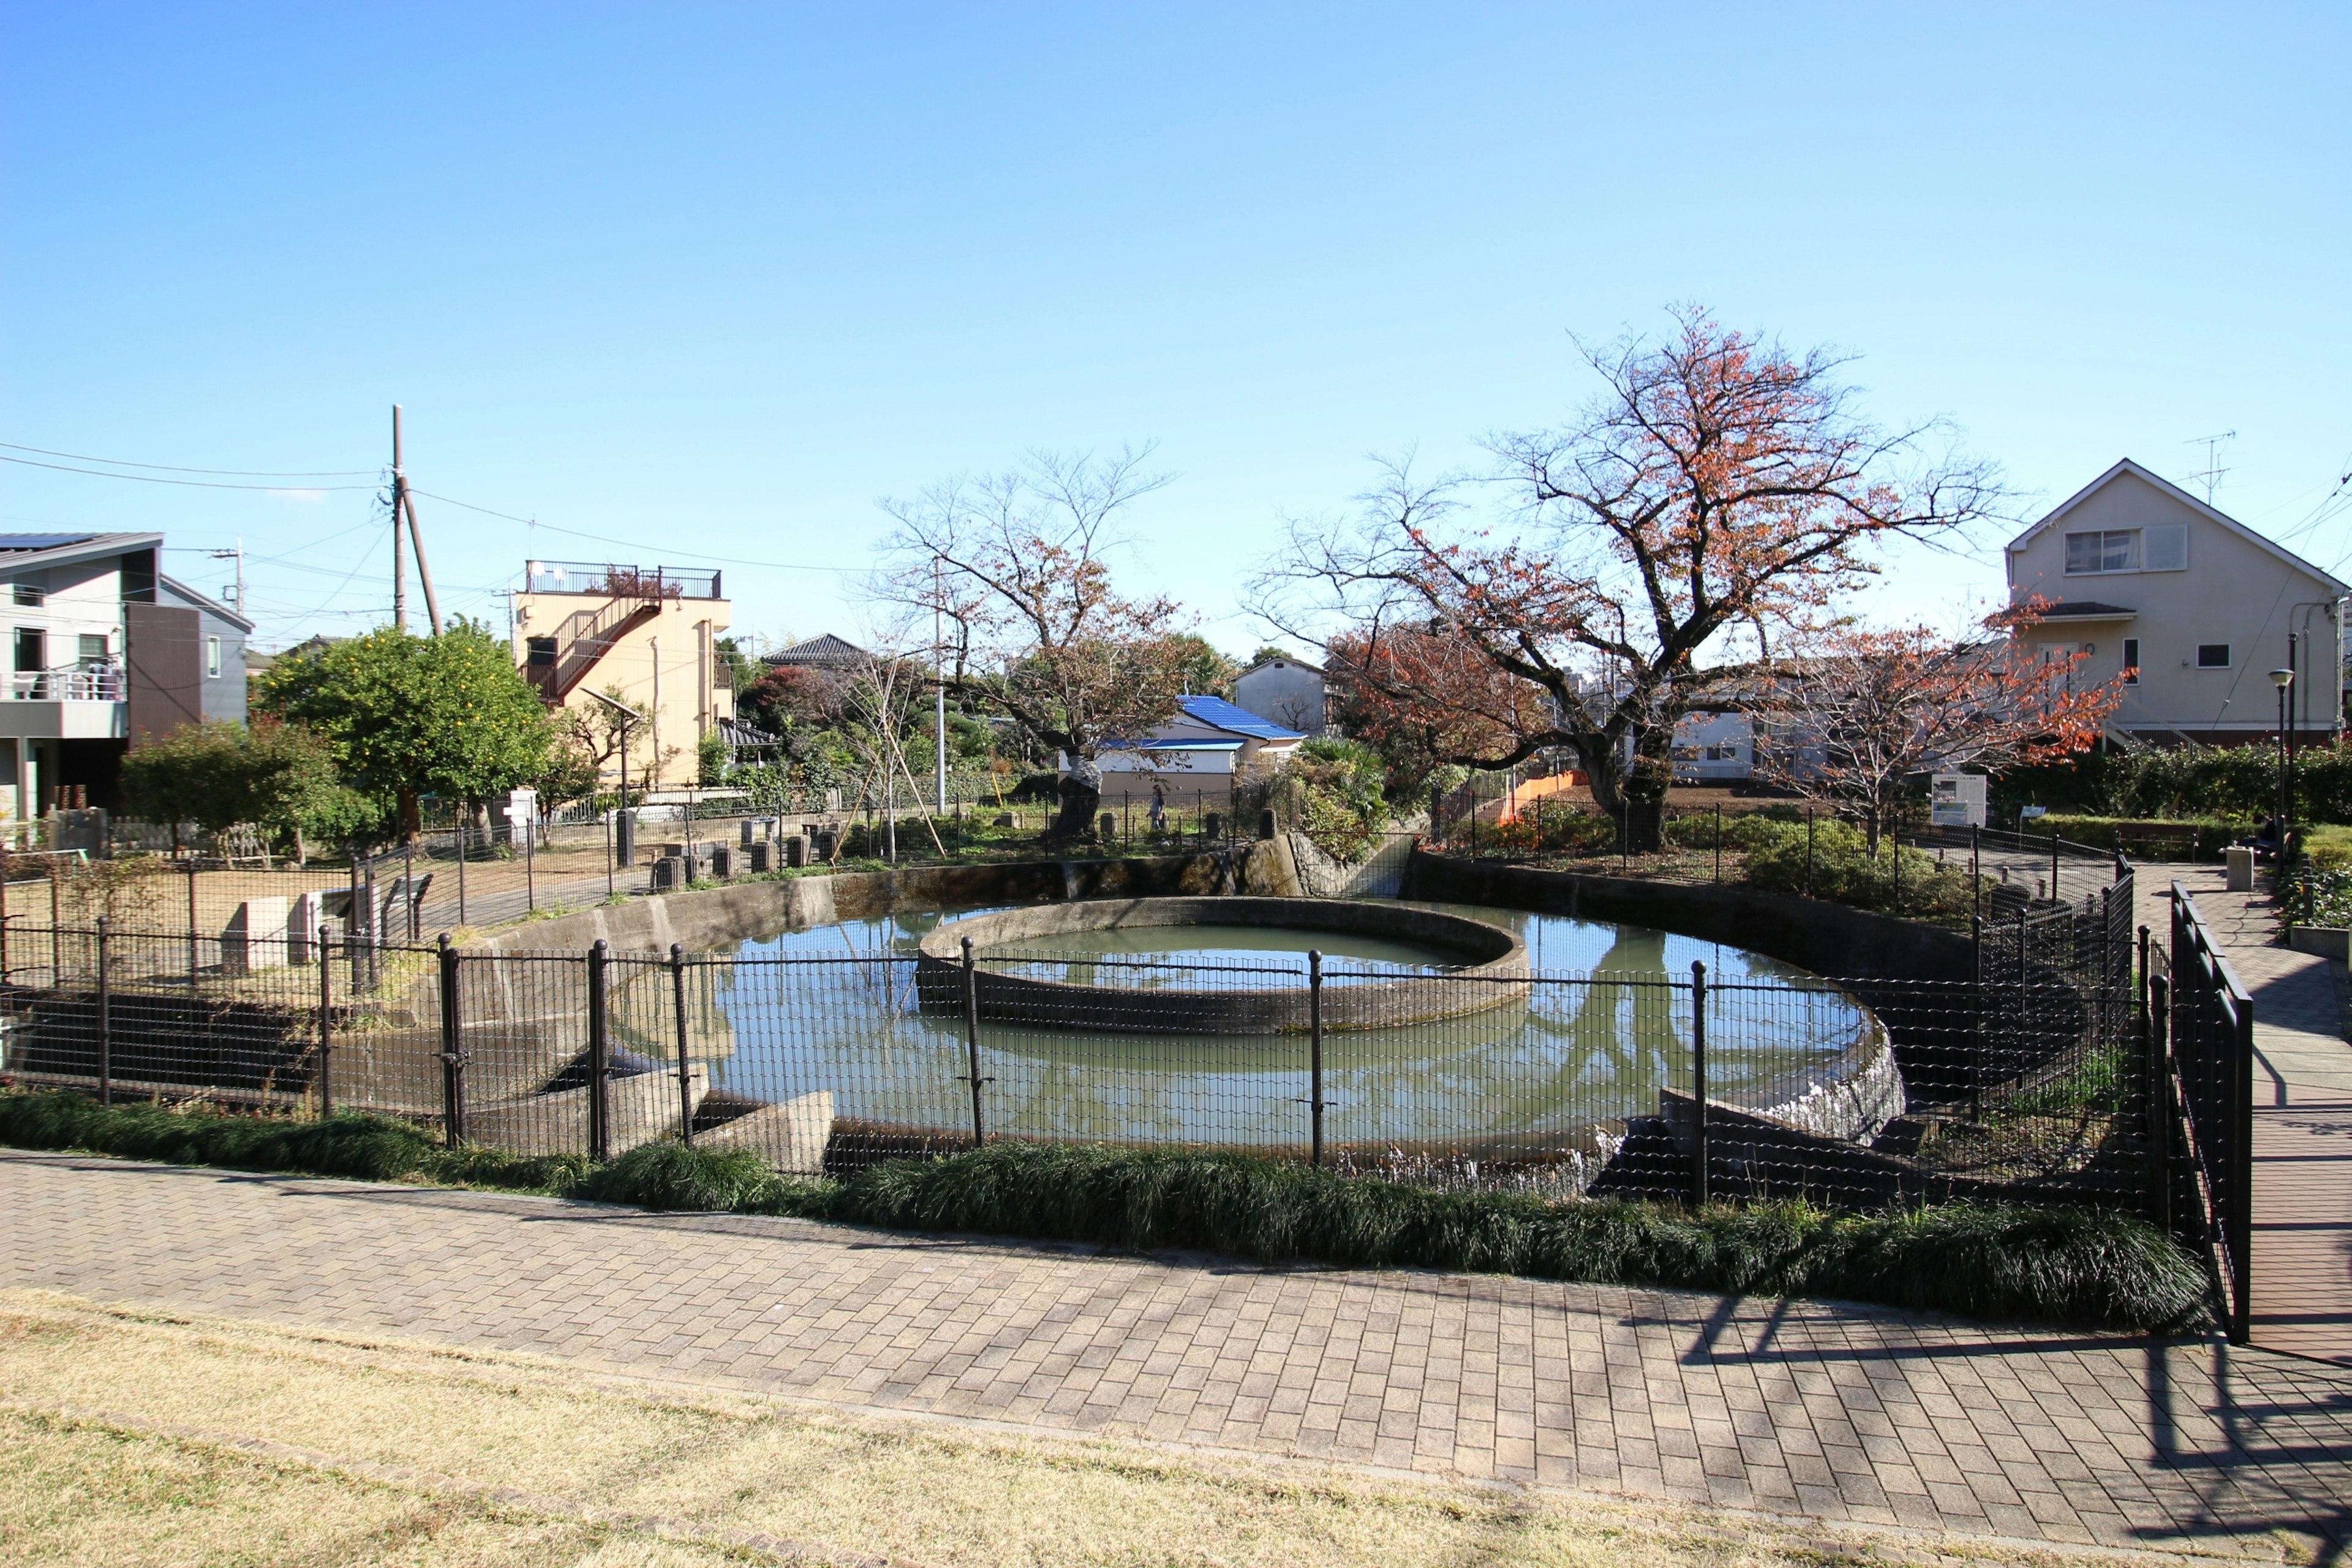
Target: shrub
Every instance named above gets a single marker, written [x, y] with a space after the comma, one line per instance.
[1839, 868]
[1554, 827]
[1989, 1260]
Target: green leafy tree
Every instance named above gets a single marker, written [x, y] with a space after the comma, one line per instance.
[217, 774]
[409, 716]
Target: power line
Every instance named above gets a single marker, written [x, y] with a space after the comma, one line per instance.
[634, 544]
[153, 479]
[222, 473]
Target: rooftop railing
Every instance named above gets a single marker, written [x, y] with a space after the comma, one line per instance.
[652, 582]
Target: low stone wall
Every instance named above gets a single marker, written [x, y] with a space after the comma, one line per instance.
[1813, 934]
[716, 917]
[1493, 977]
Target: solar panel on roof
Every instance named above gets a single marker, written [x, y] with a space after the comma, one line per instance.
[42, 541]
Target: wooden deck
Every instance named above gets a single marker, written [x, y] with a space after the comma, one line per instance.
[2303, 1117]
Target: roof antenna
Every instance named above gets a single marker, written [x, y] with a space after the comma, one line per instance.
[2211, 473]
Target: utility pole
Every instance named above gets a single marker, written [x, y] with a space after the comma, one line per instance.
[938, 684]
[404, 506]
[237, 555]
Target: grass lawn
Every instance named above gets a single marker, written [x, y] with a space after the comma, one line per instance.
[132, 1439]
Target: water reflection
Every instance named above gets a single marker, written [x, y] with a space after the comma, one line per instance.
[1592, 1041]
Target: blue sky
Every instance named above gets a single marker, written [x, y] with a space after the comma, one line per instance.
[711, 279]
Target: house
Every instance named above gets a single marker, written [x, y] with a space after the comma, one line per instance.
[107, 652]
[1195, 756]
[645, 635]
[1289, 691]
[827, 652]
[2192, 607]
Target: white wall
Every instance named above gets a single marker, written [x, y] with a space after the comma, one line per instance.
[2228, 591]
[1284, 693]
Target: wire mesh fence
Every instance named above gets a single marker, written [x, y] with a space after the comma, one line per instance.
[2033, 1081]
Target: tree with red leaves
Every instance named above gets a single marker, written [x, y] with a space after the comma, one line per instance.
[1718, 482]
[1862, 713]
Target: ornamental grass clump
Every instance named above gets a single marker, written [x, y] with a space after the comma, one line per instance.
[1983, 1260]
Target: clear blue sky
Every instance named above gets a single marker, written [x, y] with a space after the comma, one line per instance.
[712, 278]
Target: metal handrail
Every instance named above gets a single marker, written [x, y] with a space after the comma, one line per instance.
[71, 683]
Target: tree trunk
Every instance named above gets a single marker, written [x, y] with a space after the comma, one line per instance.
[412, 816]
[1080, 802]
[1647, 783]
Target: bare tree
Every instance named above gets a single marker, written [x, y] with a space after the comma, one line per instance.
[1718, 481]
[1014, 564]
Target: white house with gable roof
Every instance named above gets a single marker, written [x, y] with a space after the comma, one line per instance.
[2193, 607]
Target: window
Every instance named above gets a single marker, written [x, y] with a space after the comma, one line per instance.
[2114, 549]
[1728, 754]
[2212, 655]
[90, 650]
[212, 658]
[30, 595]
[2131, 661]
[539, 653]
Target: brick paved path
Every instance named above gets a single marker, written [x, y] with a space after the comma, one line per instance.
[1804, 1407]
[2302, 1252]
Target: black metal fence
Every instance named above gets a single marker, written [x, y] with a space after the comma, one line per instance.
[2032, 1080]
[2203, 1027]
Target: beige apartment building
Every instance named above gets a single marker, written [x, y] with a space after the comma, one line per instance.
[645, 635]
[2193, 607]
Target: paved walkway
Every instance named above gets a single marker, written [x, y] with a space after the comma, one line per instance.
[1839, 1412]
[2302, 1252]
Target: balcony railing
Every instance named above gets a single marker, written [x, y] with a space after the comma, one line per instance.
[643, 582]
[70, 683]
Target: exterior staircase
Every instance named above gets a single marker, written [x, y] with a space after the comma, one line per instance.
[585, 637]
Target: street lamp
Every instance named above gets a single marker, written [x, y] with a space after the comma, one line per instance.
[2282, 679]
[625, 838]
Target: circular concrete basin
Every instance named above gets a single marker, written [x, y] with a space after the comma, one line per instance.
[1485, 966]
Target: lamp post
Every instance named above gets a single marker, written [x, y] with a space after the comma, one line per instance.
[2282, 679]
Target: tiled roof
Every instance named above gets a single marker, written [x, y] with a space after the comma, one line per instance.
[827, 649]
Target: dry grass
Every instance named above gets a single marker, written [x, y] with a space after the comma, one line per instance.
[131, 1439]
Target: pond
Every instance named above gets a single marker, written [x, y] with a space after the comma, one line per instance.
[1601, 1025]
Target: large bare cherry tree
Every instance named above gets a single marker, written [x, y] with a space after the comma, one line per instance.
[1718, 481]
[1014, 566]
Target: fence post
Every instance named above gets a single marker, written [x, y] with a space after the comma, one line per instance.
[608, 855]
[1976, 870]
[463, 813]
[2241, 1218]
[1315, 1052]
[1808, 851]
[530, 866]
[1976, 1017]
[1698, 1084]
[453, 1055]
[685, 1073]
[192, 922]
[408, 883]
[971, 1042]
[374, 930]
[600, 1058]
[2054, 893]
[1719, 841]
[56, 956]
[105, 1020]
[326, 1028]
[2155, 1016]
[1894, 854]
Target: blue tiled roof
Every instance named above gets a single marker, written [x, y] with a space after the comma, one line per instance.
[1240, 720]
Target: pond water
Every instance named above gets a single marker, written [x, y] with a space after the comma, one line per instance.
[1605, 1023]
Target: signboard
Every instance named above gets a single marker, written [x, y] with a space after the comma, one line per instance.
[1955, 800]
[523, 806]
